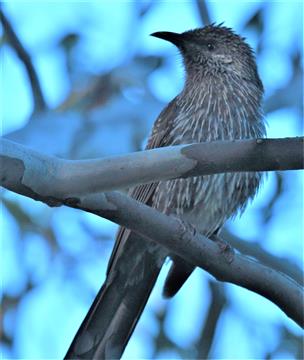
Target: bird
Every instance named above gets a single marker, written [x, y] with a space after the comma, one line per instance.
[221, 100]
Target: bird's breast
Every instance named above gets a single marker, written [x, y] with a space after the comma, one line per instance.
[208, 201]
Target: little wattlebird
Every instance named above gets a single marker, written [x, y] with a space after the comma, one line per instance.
[221, 100]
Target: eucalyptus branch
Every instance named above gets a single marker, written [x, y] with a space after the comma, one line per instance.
[70, 178]
[170, 232]
[179, 238]
[254, 249]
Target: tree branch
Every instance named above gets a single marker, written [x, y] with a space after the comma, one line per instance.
[195, 248]
[38, 98]
[71, 178]
[168, 231]
[254, 249]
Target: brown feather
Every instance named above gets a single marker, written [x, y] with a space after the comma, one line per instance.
[144, 193]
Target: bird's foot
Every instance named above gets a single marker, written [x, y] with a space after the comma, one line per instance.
[225, 248]
[186, 226]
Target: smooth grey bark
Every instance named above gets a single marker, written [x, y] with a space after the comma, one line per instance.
[254, 249]
[27, 171]
[75, 177]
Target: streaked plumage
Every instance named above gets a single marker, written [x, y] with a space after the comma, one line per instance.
[221, 100]
[225, 109]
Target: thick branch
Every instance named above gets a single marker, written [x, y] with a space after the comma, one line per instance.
[169, 232]
[71, 178]
[197, 249]
[39, 102]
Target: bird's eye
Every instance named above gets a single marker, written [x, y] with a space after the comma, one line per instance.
[210, 46]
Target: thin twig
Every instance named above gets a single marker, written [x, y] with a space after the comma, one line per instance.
[203, 12]
[14, 41]
[216, 307]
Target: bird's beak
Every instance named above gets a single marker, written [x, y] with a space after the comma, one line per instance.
[174, 38]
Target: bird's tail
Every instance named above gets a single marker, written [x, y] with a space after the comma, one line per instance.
[117, 307]
[179, 272]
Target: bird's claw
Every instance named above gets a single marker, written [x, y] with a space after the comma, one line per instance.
[186, 226]
[225, 248]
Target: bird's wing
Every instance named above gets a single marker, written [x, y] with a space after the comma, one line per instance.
[118, 305]
[159, 137]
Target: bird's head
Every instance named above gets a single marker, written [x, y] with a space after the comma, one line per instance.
[214, 49]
